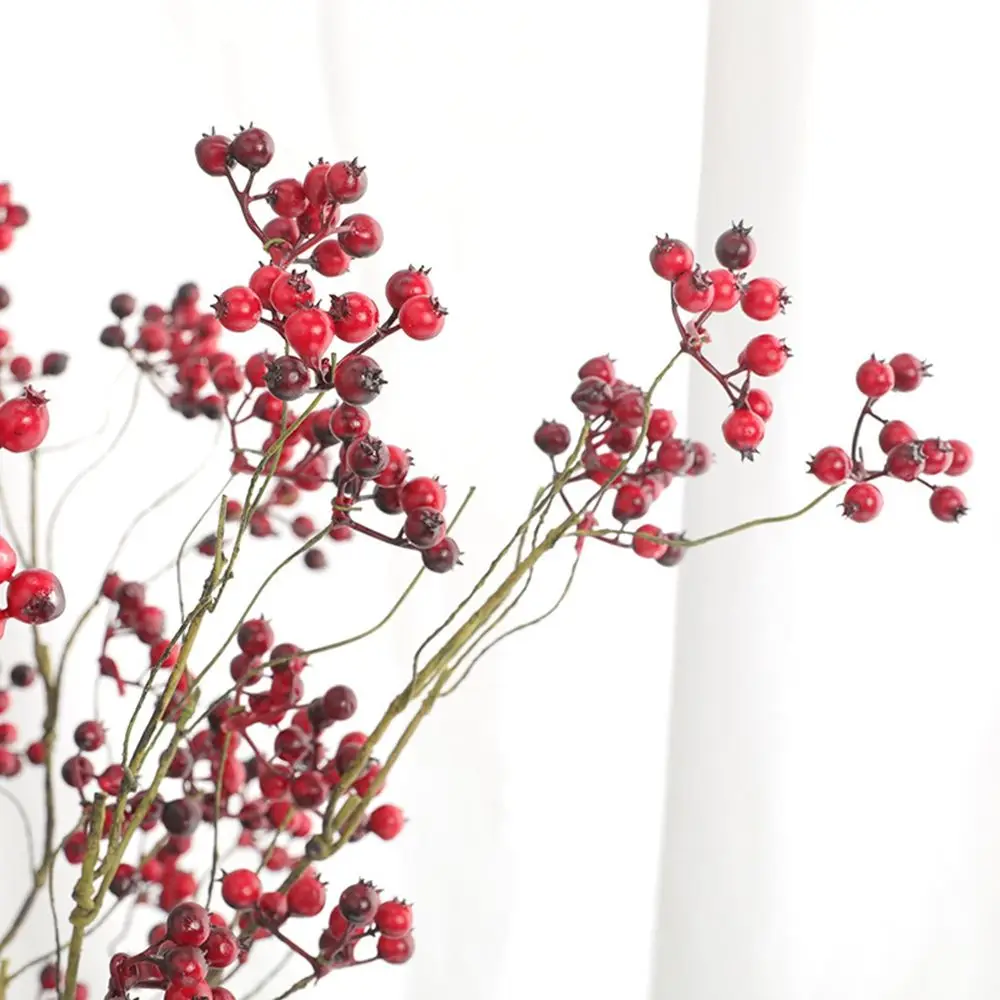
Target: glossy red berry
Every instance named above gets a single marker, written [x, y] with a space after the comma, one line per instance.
[188, 924]
[862, 502]
[24, 421]
[909, 371]
[408, 284]
[394, 919]
[662, 425]
[961, 458]
[309, 333]
[272, 908]
[358, 379]
[362, 235]
[252, 148]
[675, 456]
[735, 248]
[938, 456]
[424, 527]
[290, 291]
[694, 291]
[359, 903]
[212, 154]
[765, 355]
[238, 309]
[671, 258]
[761, 404]
[346, 181]
[386, 822]
[895, 432]
[631, 502]
[395, 951]
[763, 299]
[831, 465]
[349, 421]
[221, 949]
[35, 596]
[553, 438]
[743, 431]
[875, 378]
[948, 503]
[306, 897]
[287, 378]
[906, 462]
[422, 317]
[288, 198]
[649, 542]
[330, 259]
[728, 290]
[355, 317]
[423, 491]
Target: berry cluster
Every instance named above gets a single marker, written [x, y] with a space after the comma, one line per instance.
[908, 457]
[300, 453]
[34, 596]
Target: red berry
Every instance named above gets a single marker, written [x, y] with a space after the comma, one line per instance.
[662, 425]
[238, 309]
[906, 462]
[241, 888]
[694, 291]
[330, 259]
[675, 456]
[35, 596]
[937, 456]
[346, 181]
[862, 502]
[671, 258]
[895, 432]
[961, 458]
[424, 527]
[188, 923]
[339, 703]
[766, 355]
[386, 822]
[355, 317]
[315, 184]
[743, 431]
[602, 368]
[422, 317]
[909, 371]
[24, 421]
[287, 379]
[443, 557]
[831, 465]
[309, 333]
[408, 284]
[763, 299]
[21, 368]
[348, 421]
[394, 919]
[8, 560]
[631, 502]
[89, 736]
[252, 148]
[363, 235]
[423, 492]
[875, 378]
[212, 153]
[728, 290]
[948, 503]
[358, 380]
[288, 198]
[221, 949]
[359, 903]
[593, 396]
[367, 456]
[649, 547]
[735, 249]
[291, 291]
[395, 951]
[761, 404]
[553, 438]
[306, 897]
[261, 281]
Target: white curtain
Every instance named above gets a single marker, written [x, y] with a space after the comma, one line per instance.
[767, 775]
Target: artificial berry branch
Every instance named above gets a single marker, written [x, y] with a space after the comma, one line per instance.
[245, 766]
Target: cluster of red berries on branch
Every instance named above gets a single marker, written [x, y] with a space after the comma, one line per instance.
[34, 596]
[323, 446]
[908, 457]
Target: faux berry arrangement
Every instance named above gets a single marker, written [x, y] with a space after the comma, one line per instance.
[268, 773]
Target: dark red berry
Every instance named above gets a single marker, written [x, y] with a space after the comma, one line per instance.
[735, 248]
[252, 148]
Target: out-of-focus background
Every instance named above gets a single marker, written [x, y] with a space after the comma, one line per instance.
[770, 774]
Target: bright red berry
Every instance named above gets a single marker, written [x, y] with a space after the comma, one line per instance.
[24, 421]
[831, 465]
[290, 291]
[909, 371]
[743, 431]
[961, 458]
[422, 317]
[765, 355]
[362, 235]
[35, 596]
[346, 181]
[948, 503]
[355, 317]
[763, 299]
[906, 462]
[423, 492]
[895, 432]
[288, 198]
[862, 502]
[386, 822]
[241, 888]
[330, 259]
[694, 291]
[649, 542]
[395, 951]
[728, 290]
[875, 378]
[309, 333]
[408, 284]
[761, 404]
[394, 919]
[238, 309]
[937, 456]
[671, 258]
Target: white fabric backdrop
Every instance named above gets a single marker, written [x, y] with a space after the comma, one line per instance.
[831, 826]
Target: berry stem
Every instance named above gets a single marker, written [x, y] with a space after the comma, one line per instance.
[243, 199]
